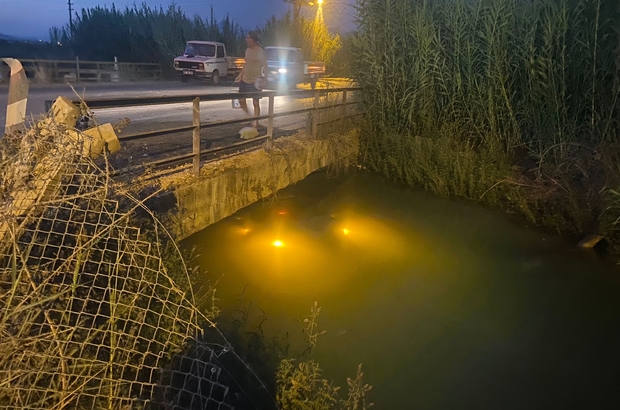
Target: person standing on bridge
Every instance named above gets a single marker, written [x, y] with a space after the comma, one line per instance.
[252, 77]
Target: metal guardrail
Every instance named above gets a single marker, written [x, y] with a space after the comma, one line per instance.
[197, 125]
[76, 71]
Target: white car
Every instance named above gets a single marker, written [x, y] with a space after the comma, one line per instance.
[206, 60]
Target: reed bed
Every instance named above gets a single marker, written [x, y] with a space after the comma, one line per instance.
[509, 102]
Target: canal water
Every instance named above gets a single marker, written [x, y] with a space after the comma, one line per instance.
[447, 305]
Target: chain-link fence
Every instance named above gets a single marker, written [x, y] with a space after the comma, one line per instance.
[95, 310]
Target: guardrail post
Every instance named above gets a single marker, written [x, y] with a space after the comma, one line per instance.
[269, 143]
[196, 135]
[77, 69]
[315, 114]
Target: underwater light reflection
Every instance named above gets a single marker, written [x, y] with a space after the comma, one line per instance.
[294, 251]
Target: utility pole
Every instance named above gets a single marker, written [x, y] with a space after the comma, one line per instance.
[296, 7]
[71, 18]
[296, 10]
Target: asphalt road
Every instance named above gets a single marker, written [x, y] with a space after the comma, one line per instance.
[155, 117]
[142, 117]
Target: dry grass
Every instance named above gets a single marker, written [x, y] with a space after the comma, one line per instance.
[96, 304]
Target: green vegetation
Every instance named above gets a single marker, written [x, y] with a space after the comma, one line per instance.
[157, 35]
[310, 35]
[290, 384]
[143, 34]
[509, 102]
[302, 386]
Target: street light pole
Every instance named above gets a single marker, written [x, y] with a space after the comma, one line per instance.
[297, 6]
[296, 11]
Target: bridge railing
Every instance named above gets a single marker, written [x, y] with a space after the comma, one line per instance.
[76, 71]
[198, 124]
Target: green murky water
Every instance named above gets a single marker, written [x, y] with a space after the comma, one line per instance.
[447, 305]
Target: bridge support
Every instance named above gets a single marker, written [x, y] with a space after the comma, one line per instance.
[191, 203]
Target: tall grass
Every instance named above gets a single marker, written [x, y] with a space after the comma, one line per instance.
[144, 33]
[523, 92]
[311, 35]
[157, 34]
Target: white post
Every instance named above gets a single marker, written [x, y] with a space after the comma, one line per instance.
[114, 76]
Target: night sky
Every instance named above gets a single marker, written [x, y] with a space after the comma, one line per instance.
[33, 18]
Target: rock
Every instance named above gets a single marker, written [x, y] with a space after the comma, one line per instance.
[248, 133]
[65, 112]
[106, 132]
[95, 140]
[590, 241]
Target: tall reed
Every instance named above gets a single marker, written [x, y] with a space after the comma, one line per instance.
[515, 82]
[144, 33]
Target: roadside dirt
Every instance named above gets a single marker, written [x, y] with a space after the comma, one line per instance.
[136, 152]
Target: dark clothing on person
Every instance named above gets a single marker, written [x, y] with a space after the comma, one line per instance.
[248, 88]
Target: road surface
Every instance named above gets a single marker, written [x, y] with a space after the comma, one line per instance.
[142, 117]
[155, 117]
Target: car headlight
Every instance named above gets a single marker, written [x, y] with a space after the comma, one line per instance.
[282, 70]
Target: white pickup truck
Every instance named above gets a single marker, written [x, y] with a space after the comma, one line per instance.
[206, 60]
[287, 67]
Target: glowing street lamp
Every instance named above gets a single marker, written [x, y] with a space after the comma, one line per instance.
[298, 3]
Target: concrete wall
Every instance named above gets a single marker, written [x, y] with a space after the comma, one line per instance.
[227, 185]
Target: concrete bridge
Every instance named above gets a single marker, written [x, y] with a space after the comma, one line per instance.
[220, 179]
[188, 203]
[223, 179]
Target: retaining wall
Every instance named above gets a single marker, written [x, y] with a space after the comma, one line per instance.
[191, 203]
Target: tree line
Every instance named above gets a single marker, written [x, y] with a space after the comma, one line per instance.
[157, 35]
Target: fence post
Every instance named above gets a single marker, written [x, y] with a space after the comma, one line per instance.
[114, 75]
[196, 135]
[315, 114]
[269, 144]
[77, 69]
[344, 103]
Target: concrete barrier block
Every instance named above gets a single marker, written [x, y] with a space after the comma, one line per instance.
[94, 140]
[91, 146]
[106, 133]
[65, 112]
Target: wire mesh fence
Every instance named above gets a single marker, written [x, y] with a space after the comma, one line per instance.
[91, 314]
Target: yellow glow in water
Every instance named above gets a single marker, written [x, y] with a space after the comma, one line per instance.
[278, 244]
[346, 231]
